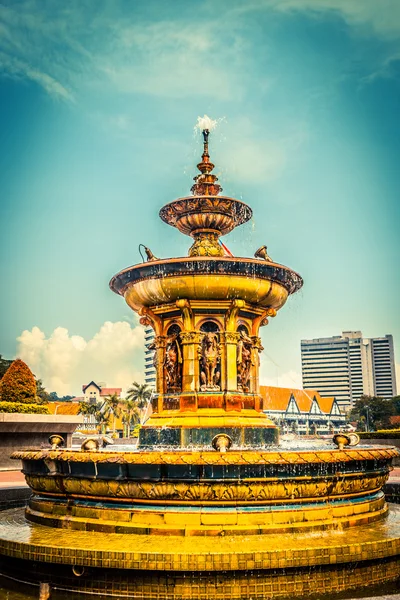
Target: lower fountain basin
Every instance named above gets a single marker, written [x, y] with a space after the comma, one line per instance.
[187, 492]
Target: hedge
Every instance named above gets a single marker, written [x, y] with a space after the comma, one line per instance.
[19, 407]
[382, 434]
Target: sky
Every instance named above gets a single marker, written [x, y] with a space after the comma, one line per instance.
[98, 105]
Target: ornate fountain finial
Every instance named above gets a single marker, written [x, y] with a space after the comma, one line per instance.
[206, 215]
[206, 182]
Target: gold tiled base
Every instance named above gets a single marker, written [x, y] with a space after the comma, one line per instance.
[233, 585]
[23, 540]
[192, 520]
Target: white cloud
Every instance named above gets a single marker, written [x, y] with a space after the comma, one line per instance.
[65, 362]
[387, 69]
[380, 16]
[256, 159]
[19, 70]
[69, 49]
[271, 373]
[288, 379]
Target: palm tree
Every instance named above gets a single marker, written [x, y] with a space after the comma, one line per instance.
[113, 407]
[140, 393]
[98, 411]
[101, 417]
[130, 415]
[89, 409]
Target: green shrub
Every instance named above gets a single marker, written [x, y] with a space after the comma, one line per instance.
[19, 407]
[382, 434]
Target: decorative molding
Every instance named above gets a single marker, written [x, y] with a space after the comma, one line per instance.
[184, 305]
[246, 457]
[230, 337]
[190, 337]
[232, 314]
[278, 491]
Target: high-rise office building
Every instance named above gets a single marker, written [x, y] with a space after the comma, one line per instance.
[348, 366]
[149, 368]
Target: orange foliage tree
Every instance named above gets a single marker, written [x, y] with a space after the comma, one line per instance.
[18, 384]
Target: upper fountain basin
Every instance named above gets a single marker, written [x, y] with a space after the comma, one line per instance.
[257, 282]
[194, 213]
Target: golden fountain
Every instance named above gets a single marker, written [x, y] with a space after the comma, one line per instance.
[208, 505]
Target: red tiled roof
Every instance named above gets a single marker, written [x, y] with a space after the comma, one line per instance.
[326, 404]
[110, 391]
[277, 398]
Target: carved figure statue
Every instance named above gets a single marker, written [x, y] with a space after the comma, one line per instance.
[209, 362]
[244, 361]
[173, 364]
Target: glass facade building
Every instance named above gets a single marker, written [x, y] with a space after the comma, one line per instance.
[348, 366]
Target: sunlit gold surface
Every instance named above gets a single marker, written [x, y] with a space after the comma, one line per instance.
[317, 456]
[195, 520]
[179, 502]
[219, 213]
[134, 551]
[255, 492]
[209, 418]
[214, 458]
[151, 292]
[327, 561]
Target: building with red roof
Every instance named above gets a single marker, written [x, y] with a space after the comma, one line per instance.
[303, 411]
[96, 391]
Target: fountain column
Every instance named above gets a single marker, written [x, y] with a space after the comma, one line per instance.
[190, 373]
[159, 348]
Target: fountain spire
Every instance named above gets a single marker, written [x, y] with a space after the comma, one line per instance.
[206, 215]
[206, 183]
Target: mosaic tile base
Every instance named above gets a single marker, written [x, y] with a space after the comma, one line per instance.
[232, 585]
[20, 539]
[185, 568]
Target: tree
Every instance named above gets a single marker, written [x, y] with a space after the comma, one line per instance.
[41, 392]
[18, 384]
[139, 393]
[130, 415]
[54, 397]
[4, 365]
[373, 412]
[396, 404]
[98, 410]
[113, 404]
[88, 408]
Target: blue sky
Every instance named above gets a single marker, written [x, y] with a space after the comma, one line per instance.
[98, 104]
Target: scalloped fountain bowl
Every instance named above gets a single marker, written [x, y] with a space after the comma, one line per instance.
[218, 213]
[265, 284]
